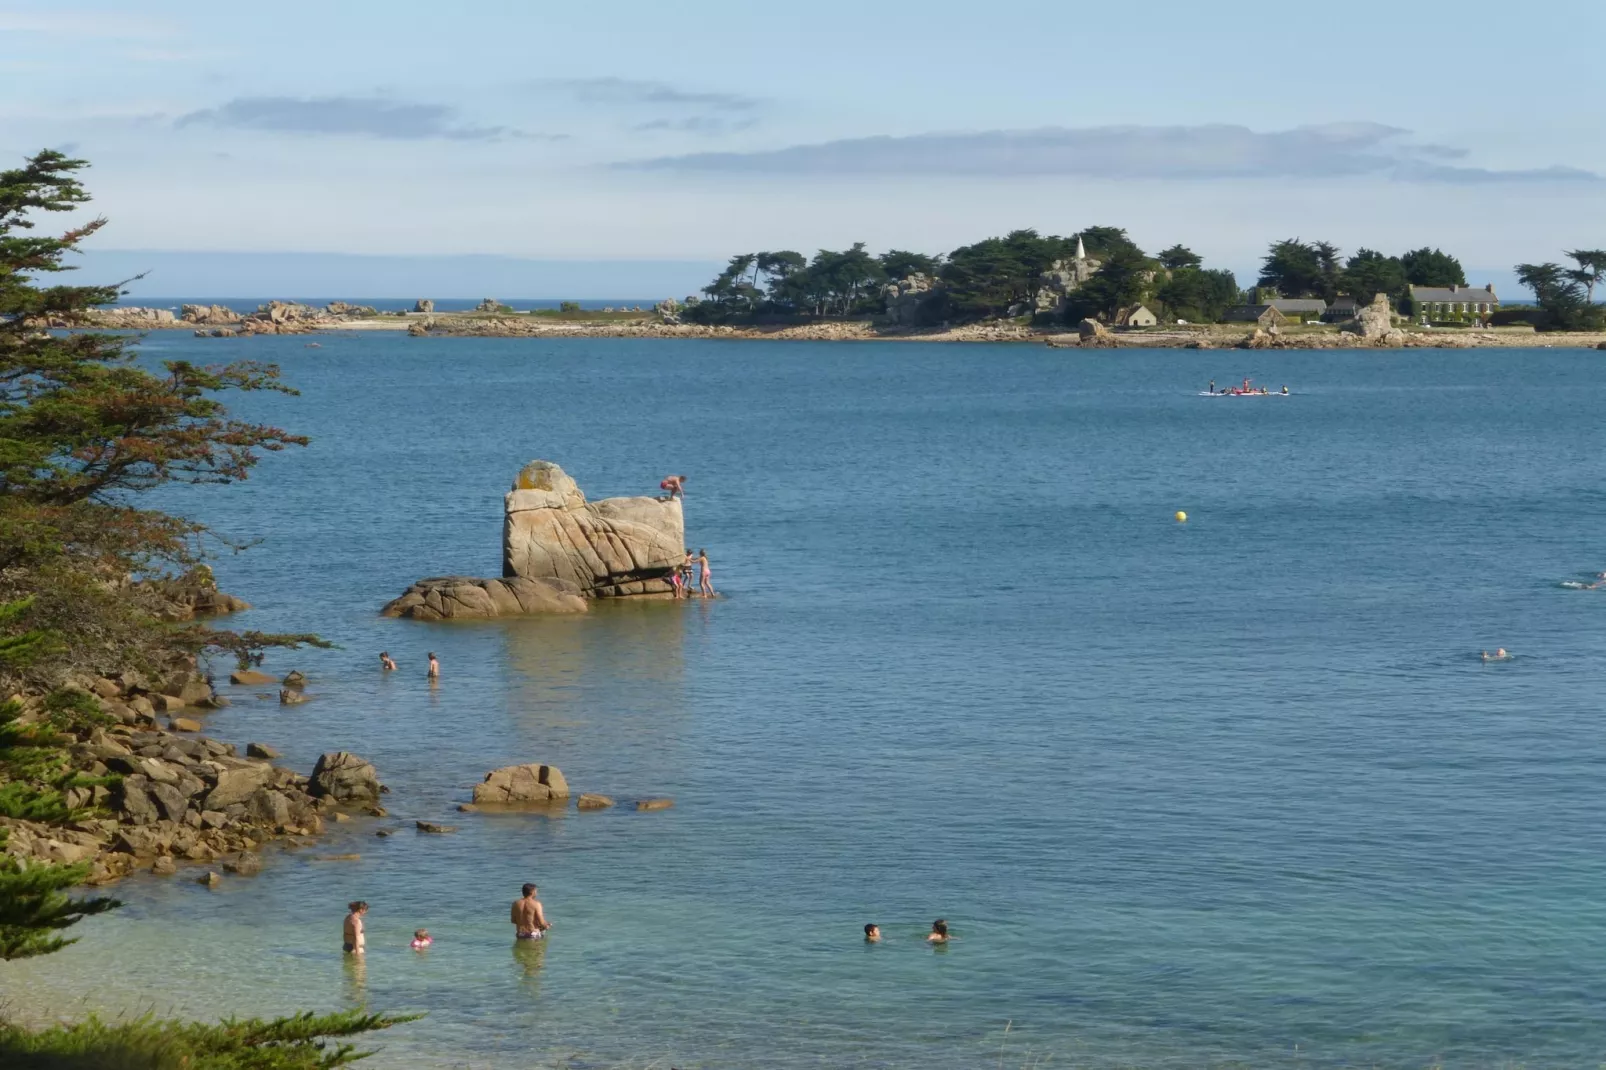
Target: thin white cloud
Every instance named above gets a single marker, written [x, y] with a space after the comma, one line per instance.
[636, 92]
[100, 24]
[1335, 150]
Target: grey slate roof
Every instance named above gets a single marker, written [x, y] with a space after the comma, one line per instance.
[1301, 306]
[1456, 294]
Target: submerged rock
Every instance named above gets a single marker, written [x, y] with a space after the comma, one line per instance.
[465, 597]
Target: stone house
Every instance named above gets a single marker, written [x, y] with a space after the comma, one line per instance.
[1264, 316]
[1439, 302]
[1300, 309]
[1136, 316]
[1342, 310]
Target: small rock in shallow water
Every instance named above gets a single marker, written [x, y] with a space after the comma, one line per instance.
[430, 826]
[184, 724]
[210, 879]
[246, 677]
[654, 804]
[164, 867]
[261, 750]
[590, 801]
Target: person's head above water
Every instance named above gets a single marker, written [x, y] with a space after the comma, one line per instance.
[872, 932]
[939, 928]
[358, 907]
[529, 889]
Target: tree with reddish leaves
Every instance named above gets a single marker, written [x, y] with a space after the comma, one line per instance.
[85, 428]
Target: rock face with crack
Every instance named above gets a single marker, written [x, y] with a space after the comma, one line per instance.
[602, 549]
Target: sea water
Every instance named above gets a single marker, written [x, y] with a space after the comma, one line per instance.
[1235, 791]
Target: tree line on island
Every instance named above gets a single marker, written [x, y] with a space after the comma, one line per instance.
[1028, 275]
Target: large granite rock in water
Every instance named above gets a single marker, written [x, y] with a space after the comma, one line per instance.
[465, 597]
[514, 785]
[616, 546]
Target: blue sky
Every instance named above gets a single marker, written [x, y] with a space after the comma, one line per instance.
[648, 132]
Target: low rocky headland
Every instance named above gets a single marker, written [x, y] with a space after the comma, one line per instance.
[560, 550]
[491, 320]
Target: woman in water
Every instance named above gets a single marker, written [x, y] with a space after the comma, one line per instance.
[939, 932]
[1499, 655]
[422, 939]
[706, 583]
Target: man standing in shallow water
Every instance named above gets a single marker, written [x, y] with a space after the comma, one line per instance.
[529, 920]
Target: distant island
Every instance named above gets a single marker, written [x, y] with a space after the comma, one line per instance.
[1095, 288]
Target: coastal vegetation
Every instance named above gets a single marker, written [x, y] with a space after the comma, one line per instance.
[1048, 280]
[92, 585]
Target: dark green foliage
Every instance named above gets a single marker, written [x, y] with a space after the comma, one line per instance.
[1299, 269]
[1198, 295]
[83, 429]
[1178, 257]
[900, 264]
[1101, 243]
[1590, 270]
[568, 306]
[1562, 297]
[1121, 281]
[302, 1042]
[990, 277]
[1369, 273]
[1430, 267]
[35, 908]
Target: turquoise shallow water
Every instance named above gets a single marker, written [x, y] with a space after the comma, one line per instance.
[1235, 791]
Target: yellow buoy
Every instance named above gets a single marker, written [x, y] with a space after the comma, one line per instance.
[1181, 516]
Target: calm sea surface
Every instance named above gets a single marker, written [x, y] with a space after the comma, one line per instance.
[1237, 791]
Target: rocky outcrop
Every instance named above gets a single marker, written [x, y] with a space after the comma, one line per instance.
[1094, 334]
[130, 319]
[906, 300]
[463, 597]
[488, 304]
[607, 548]
[1374, 324]
[522, 785]
[209, 315]
[345, 778]
[423, 304]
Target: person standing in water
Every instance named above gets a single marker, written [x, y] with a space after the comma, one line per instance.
[386, 662]
[706, 583]
[353, 939]
[529, 920]
[434, 666]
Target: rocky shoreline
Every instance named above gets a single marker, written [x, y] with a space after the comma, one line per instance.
[280, 317]
[161, 795]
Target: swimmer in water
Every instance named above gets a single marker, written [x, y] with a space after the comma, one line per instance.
[872, 933]
[1498, 655]
[939, 932]
[1285, 389]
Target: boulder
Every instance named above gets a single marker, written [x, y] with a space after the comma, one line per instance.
[598, 549]
[291, 697]
[210, 315]
[345, 778]
[172, 802]
[243, 865]
[654, 804]
[1257, 339]
[1374, 324]
[294, 678]
[261, 750]
[267, 807]
[210, 878]
[464, 597]
[237, 784]
[184, 724]
[249, 678]
[164, 866]
[433, 828]
[522, 785]
[1093, 333]
[423, 304]
[133, 799]
[588, 801]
